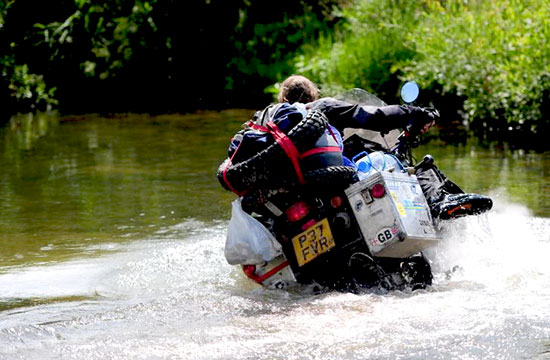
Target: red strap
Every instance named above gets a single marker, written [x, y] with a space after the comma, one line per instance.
[289, 148]
[270, 273]
[225, 172]
[255, 126]
[320, 150]
[332, 133]
[284, 142]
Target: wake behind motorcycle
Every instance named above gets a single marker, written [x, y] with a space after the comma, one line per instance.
[341, 227]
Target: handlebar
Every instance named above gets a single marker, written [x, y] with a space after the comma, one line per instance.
[405, 143]
[410, 137]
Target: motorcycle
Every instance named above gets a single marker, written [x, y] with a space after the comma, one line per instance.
[348, 230]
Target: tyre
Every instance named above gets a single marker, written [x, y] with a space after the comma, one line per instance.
[272, 164]
[333, 176]
[417, 271]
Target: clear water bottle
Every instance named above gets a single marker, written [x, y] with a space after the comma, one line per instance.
[368, 164]
[363, 163]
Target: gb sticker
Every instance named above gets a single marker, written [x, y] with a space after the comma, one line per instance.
[386, 234]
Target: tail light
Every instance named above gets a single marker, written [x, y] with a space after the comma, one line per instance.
[297, 211]
[378, 191]
[336, 202]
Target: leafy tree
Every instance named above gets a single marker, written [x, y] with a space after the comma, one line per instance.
[156, 55]
[19, 88]
[483, 61]
[494, 55]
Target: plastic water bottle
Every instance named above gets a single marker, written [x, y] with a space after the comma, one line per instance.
[363, 163]
[368, 164]
[378, 161]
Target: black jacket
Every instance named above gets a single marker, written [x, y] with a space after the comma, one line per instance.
[343, 115]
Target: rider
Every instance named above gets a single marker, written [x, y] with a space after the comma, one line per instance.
[446, 199]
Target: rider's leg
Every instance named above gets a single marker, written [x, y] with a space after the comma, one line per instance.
[445, 198]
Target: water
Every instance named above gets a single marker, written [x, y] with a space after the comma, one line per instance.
[115, 250]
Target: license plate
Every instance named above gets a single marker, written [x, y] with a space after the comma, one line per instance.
[316, 240]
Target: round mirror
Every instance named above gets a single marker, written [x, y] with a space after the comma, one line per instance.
[409, 92]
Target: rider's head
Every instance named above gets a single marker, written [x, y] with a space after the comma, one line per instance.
[297, 88]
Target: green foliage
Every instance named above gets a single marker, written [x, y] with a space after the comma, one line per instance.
[26, 87]
[275, 37]
[363, 51]
[149, 55]
[19, 85]
[267, 45]
[493, 53]
[107, 32]
[488, 59]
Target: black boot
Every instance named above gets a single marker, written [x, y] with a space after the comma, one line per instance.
[452, 206]
[446, 199]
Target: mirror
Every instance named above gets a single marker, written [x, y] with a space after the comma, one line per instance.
[409, 92]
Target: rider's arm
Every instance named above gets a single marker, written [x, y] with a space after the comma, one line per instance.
[345, 115]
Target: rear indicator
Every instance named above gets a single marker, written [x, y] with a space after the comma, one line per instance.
[378, 191]
[297, 211]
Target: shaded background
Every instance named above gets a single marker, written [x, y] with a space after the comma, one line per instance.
[483, 64]
[152, 56]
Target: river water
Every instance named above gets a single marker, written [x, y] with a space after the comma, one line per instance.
[111, 247]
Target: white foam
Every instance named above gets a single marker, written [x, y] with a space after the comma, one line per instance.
[174, 296]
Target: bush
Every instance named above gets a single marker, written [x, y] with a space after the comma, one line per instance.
[363, 51]
[153, 55]
[488, 60]
[493, 53]
[20, 89]
[26, 89]
[269, 36]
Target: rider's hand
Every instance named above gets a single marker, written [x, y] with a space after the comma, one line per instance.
[422, 119]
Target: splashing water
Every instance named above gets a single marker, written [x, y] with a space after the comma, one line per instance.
[174, 296]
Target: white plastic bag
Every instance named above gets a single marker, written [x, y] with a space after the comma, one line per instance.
[248, 241]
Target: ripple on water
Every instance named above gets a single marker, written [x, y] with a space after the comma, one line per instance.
[174, 296]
